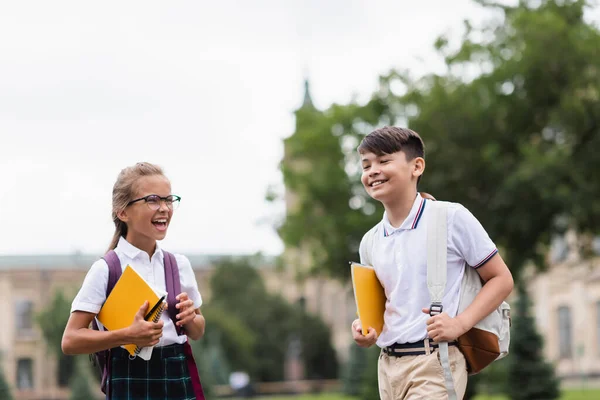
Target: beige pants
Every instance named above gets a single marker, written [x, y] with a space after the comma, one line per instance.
[420, 377]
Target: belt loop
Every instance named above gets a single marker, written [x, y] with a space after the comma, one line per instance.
[427, 348]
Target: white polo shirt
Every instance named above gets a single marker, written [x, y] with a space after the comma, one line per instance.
[399, 256]
[92, 294]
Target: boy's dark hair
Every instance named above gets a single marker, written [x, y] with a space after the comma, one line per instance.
[391, 139]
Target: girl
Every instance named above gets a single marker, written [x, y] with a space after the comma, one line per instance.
[142, 208]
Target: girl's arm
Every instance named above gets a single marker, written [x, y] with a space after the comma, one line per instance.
[195, 328]
[78, 338]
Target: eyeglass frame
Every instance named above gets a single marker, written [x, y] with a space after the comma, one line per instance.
[175, 198]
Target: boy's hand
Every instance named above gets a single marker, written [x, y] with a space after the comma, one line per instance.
[187, 313]
[442, 328]
[363, 341]
[144, 333]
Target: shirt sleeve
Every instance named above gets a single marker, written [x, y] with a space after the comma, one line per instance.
[92, 294]
[188, 280]
[471, 239]
[361, 250]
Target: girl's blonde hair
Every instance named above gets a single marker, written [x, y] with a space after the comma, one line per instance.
[123, 191]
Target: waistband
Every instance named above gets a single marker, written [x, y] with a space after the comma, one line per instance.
[163, 351]
[423, 347]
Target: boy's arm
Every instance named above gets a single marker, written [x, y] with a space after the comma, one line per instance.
[498, 285]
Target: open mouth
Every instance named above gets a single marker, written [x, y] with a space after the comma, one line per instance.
[160, 224]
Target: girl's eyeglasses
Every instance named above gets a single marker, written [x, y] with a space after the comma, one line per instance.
[153, 201]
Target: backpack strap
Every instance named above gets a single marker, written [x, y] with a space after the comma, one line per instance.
[173, 285]
[437, 237]
[103, 357]
[114, 270]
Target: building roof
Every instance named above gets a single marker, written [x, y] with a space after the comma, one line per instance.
[307, 101]
[84, 261]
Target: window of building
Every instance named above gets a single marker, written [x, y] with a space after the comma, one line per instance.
[24, 373]
[564, 332]
[598, 327]
[596, 244]
[24, 316]
[558, 249]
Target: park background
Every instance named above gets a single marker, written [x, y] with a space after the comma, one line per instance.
[255, 111]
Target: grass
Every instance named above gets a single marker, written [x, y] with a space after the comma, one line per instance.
[567, 395]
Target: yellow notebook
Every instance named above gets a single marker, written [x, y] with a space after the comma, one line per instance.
[125, 300]
[370, 297]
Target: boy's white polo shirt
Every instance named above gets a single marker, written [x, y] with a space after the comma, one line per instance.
[92, 294]
[399, 256]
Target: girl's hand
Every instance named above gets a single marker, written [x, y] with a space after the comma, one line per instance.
[187, 313]
[144, 333]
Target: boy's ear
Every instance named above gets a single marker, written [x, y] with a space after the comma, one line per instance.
[418, 166]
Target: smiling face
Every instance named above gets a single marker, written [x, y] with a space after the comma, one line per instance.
[388, 176]
[144, 225]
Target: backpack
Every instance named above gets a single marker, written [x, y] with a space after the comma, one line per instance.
[489, 339]
[102, 358]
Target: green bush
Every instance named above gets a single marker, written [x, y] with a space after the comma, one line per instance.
[5, 393]
[271, 322]
[535, 377]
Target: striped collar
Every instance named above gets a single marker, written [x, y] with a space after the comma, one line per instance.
[411, 221]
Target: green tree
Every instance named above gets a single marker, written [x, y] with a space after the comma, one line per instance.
[232, 336]
[369, 389]
[5, 392]
[519, 101]
[323, 197]
[200, 350]
[80, 381]
[498, 142]
[272, 320]
[354, 370]
[526, 363]
[52, 322]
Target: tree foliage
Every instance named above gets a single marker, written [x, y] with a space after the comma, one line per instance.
[5, 392]
[511, 132]
[80, 382]
[526, 363]
[52, 322]
[265, 323]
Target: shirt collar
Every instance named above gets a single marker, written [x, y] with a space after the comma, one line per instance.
[132, 252]
[410, 222]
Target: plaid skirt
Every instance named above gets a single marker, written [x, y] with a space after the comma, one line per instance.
[164, 376]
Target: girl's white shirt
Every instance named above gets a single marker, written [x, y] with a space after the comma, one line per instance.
[92, 294]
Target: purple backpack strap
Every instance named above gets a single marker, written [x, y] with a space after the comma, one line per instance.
[173, 284]
[114, 270]
[114, 273]
[174, 288]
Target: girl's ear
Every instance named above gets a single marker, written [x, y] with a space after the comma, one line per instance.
[122, 215]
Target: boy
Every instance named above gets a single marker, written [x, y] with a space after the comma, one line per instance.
[409, 368]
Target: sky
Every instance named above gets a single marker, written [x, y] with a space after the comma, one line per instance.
[207, 90]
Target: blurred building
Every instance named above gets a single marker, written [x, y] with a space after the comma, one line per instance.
[566, 305]
[27, 286]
